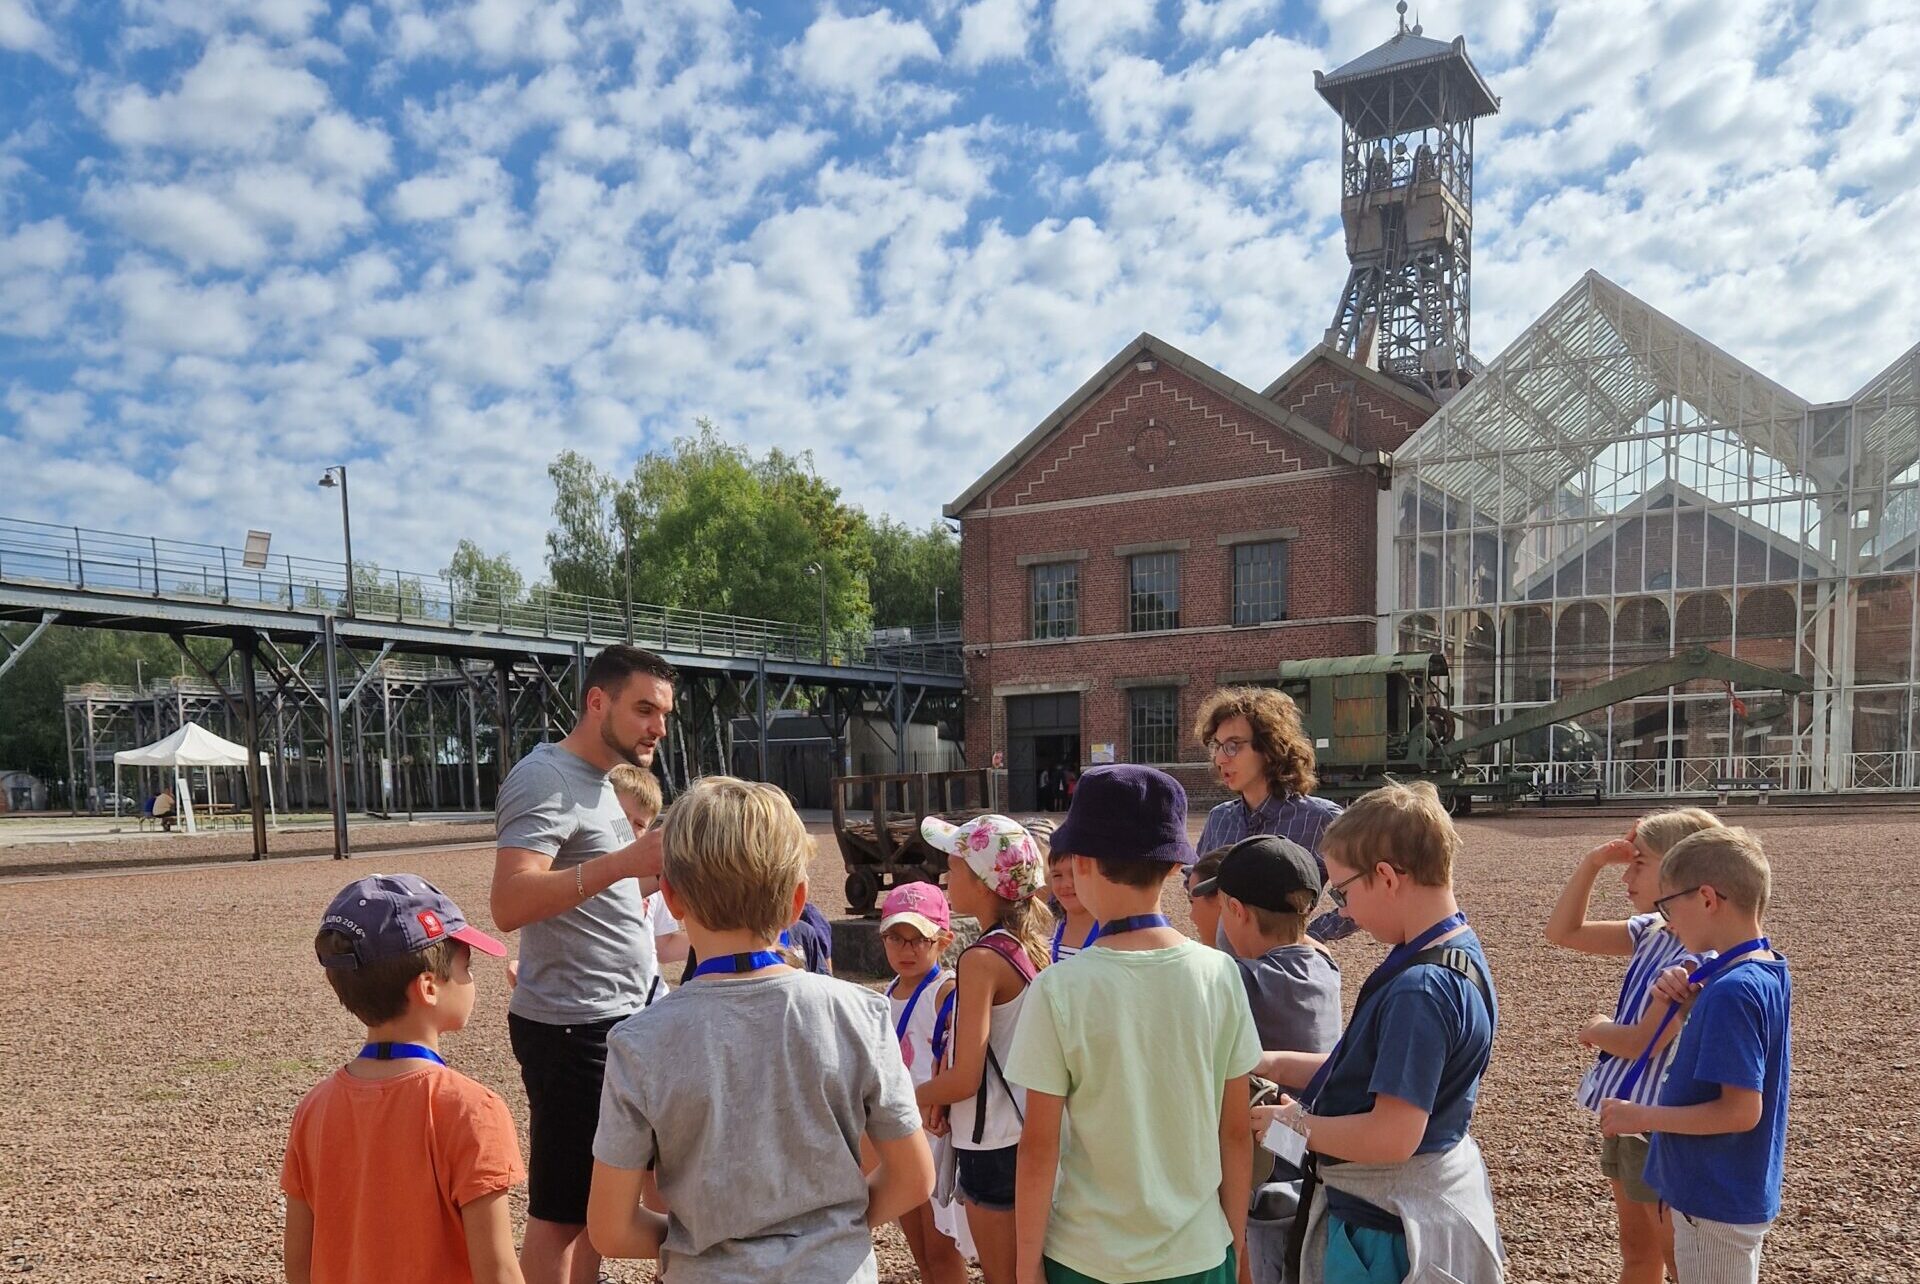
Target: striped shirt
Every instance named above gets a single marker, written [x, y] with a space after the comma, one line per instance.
[1299, 817]
[1654, 951]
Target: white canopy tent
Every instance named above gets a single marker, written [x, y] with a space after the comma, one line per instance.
[189, 747]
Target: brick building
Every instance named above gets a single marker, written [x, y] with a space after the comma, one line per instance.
[1164, 531]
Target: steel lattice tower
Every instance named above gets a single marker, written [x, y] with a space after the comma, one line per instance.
[1407, 110]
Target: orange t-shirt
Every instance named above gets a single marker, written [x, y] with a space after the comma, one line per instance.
[387, 1164]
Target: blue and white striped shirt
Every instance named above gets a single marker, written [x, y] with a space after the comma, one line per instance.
[1654, 951]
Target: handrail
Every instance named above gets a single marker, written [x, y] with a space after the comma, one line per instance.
[164, 569]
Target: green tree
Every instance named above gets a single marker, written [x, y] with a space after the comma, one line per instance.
[484, 586]
[584, 546]
[709, 526]
[33, 733]
[908, 565]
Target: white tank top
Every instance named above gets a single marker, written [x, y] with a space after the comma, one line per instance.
[1002, 1128]
[916, 1045]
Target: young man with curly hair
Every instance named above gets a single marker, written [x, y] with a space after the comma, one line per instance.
[1262, 754]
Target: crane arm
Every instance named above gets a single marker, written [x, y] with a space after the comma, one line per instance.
[1687, 666]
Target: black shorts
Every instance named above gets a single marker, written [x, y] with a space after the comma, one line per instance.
[986, 1177]
[562, 1066]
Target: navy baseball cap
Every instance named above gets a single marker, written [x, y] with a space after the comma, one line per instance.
[1129, 813]
[392, 915]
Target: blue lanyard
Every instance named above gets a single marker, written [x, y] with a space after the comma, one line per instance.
[906, 1013]
[401, 1052]
[1398, 960]
[1060, 936]
[1133, 923]
[1699, 976]
[942, 1025]
[739, 963]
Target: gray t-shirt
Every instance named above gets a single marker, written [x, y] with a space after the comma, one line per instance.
[1294, 992]
[756, 1129]
[596, 961]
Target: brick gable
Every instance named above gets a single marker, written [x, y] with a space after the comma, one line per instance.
[1351, 409]
[1151, 430]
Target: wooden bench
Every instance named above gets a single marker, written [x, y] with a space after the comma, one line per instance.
[1727, 786]
[1553, 789]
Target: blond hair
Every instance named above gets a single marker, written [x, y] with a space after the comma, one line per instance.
[1661, 830]
[1405, 826]
[734, 854]
[1278, 737]
[638, 785]
[1286, 926]
[1728, 859]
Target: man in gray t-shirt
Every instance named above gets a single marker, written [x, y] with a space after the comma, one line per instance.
[571, 877]
[756, 1133]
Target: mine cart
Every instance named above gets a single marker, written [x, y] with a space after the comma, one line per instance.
[882, 848]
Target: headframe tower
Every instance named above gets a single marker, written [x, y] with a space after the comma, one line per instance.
[1407, 109]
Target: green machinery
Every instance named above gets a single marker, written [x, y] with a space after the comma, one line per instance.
[1375, 717]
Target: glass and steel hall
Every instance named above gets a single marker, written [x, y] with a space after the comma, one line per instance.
[1614, 488]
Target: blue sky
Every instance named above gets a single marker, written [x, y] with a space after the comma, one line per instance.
[244, 239]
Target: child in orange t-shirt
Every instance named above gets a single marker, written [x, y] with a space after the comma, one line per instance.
[398, 1167]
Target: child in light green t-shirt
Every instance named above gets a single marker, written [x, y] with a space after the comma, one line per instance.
[1154, 1176]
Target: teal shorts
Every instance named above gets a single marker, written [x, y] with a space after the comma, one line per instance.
[1362, 1255]
[1225, 1273]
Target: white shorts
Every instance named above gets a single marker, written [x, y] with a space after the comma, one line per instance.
[1717, 1252]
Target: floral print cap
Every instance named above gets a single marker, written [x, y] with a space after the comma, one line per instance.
[996, 848]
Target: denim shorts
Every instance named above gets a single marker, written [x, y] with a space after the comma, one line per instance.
[986, 1177]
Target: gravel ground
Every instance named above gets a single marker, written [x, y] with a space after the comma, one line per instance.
[151, 1058]
[153, 850]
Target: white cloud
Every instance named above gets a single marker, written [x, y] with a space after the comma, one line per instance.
[1087, 32]
[22, 30]
[994, 31]
[472, 240]
[856, 60]
[1215, 21]
[238, 96]
[194, 225]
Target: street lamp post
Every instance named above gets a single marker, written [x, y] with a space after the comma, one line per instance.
[936, 613]
[818, 572]
[327, 480]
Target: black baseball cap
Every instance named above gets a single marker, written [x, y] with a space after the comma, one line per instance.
[1263, 871]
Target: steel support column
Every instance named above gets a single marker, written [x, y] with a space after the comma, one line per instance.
[250, 711]
[336, 769]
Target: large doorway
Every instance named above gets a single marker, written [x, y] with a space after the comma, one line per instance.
[1043, 742]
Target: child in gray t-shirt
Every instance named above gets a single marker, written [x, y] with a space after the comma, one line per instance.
[749, 1088]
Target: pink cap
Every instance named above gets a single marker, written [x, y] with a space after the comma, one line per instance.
[922, 905]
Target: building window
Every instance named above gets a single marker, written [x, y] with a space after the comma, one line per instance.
[1260, 582]
[1153, 593]
[1056, 600]
[1152, 713]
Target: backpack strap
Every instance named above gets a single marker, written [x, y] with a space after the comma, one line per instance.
[1006, 947]
[1455, 959]
[1003, 944]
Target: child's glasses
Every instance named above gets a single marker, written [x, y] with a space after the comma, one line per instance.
[1660, 906]
[907, 941]
[1337, 892]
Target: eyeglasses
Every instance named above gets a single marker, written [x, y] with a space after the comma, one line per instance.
[904, 941]
[1660, 906]
[1225, 748]
[1337, 893]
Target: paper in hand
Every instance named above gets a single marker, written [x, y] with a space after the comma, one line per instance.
[1286, 1143]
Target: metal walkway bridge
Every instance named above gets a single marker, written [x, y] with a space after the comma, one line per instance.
[293, 622]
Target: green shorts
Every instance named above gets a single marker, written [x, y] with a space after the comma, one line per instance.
[1624, 1159]
[1225, 1273]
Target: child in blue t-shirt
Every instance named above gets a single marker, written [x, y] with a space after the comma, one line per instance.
[1719, 1134]
[1385, 1115]
[1619, 1068]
